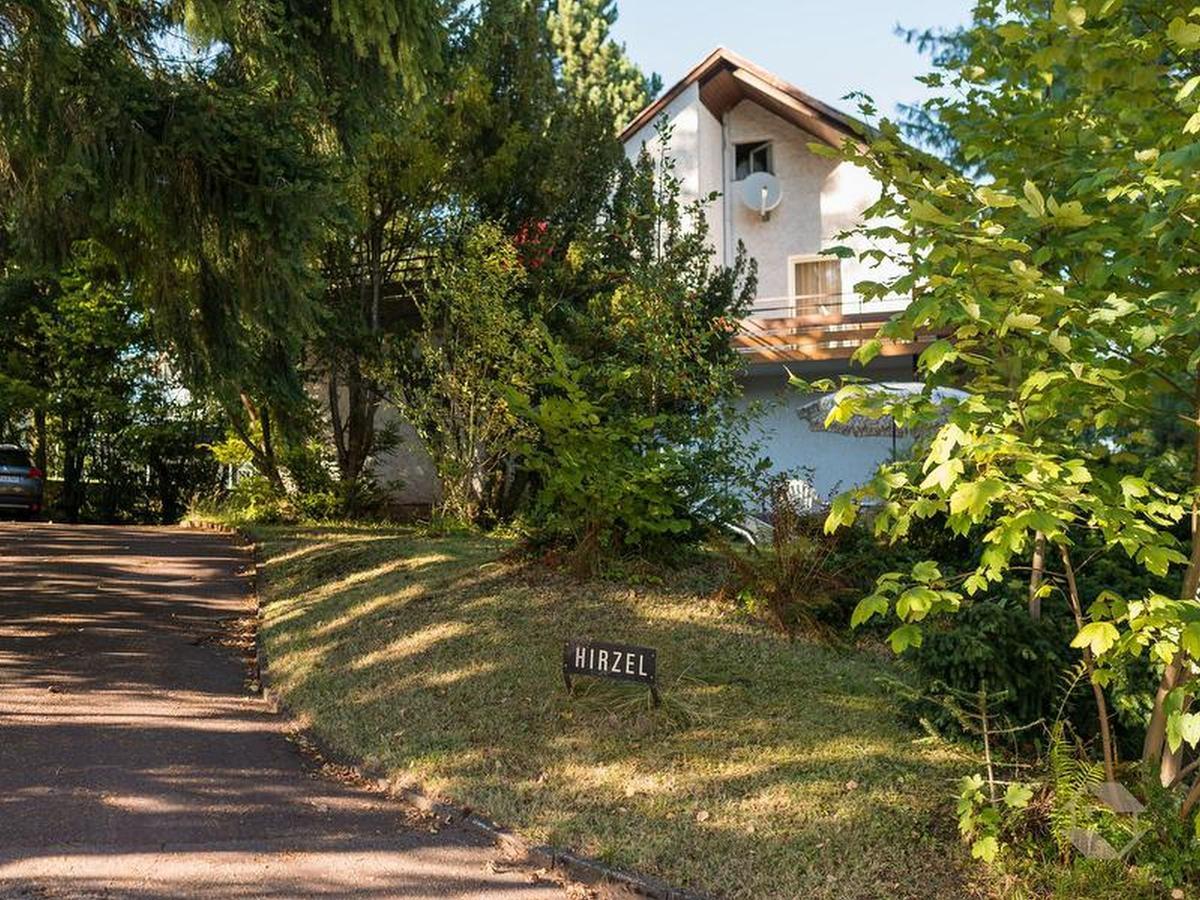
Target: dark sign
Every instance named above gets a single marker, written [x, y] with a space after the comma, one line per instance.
[618, 661]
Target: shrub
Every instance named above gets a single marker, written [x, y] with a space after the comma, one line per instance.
[995, 644]
[254, 499]
[606, 485]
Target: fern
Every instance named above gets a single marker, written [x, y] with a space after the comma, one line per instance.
[1068, 682]
[1072, 778]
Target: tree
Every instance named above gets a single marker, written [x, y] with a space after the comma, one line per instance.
[196, 143]
[593, 68]
[475, 344]
[396, 179]
[1063, 281]
[637, 446]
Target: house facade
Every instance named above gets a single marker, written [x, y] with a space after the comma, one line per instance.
[736, 131]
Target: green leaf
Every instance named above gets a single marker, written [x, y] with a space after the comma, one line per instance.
[926, 572]
[1188, 88]
[841, 512]
[1134, 488]
[985, 848]
[938, 354]
[975, 583]
[1158, 559]
[1017, 796]
[927, 212]
[1183, 33]
[1036, 202]
[1189, 640]
[944, 475]
[904, 637]
[868, 351]
[915, 603]
[975, 497]
[1021, 321]
[876, 604]
[1174, 731]
[1098, 636]
[995, 199]
[1189, 728]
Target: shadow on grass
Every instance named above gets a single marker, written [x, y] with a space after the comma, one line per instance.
[773, 769]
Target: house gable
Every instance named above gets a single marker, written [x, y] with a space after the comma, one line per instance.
[725, 79]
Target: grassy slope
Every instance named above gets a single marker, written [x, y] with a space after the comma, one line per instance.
[427, 655]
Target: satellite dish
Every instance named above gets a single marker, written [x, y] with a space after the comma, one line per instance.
[762, 192]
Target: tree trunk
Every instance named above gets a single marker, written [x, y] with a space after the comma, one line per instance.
[264, 456]
[41, 455]
[1106, 741]
[1035, 576]
[1154, 747]
[353, 428]
[74, 452]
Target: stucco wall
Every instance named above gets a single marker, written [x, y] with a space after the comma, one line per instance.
[683, 118]
[406, 472]
[838, 462]
[821, 199]
[696, 149]
[795, 226]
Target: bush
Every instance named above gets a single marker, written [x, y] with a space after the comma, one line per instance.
[996, 645]
[603, 488]
[253, 499]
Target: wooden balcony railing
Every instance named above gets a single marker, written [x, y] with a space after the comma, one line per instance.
[817, 327]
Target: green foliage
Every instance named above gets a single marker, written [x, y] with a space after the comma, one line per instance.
[1064, 288]
[198, 144]
[636, 441]
[983, 819]
[525, 150]
[476, 344]
[607, 484]
[593, 68]
[1072, 777]
[996, 643]
[94, 397]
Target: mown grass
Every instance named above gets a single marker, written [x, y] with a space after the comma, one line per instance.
[773, 769]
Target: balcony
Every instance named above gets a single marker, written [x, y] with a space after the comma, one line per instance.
[818, 327]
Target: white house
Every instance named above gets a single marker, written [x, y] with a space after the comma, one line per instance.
[740, 132]
[733, 126]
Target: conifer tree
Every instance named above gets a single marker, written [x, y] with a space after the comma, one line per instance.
[593, 67]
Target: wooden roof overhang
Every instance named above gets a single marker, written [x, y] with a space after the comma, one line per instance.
[726, 79]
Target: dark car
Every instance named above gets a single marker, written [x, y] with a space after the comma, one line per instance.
[20, 482]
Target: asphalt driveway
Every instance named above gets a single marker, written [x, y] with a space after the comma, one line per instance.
[135, 761]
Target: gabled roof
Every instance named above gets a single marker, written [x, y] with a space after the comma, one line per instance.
[726, 79]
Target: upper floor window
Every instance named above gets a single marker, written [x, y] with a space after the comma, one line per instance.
[753, 157]
[817, 281]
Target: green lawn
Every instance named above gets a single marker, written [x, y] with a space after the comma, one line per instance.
[773, 769]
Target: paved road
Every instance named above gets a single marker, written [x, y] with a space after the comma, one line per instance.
[134, 762]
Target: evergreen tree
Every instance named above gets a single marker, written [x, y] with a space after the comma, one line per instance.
[593, 68]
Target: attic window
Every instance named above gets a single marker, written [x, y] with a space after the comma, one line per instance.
[753, 157]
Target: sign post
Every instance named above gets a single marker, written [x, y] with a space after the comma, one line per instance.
[619, 662]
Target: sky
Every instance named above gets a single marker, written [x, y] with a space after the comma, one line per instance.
[826, 48]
